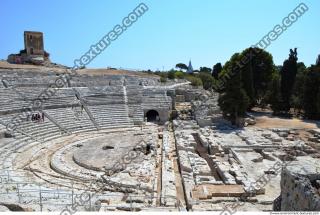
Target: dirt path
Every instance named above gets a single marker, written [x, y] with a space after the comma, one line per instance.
[269, 121]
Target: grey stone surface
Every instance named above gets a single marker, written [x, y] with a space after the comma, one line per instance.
[4, 208]
[299, 190]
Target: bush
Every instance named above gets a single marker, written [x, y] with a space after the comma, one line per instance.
[195, 81]
[171, 74]
[179, 75]
[163, 79]
[23, 51]
[46, 54]
[207, 80]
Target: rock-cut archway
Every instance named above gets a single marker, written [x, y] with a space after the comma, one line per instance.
[152, 116]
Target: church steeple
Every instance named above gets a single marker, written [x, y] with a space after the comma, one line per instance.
[190, 68]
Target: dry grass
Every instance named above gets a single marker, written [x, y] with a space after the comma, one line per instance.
[113, 72]
[6, 65]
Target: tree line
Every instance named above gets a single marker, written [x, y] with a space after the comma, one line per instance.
[289, 89]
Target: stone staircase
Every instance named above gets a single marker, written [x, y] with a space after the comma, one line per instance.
[111, 116]
[72, 119]
[39, 131]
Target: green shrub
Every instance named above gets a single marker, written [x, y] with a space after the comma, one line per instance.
[171, 74]
[195, 81]
[207, 80]
[163, 79]
[179, 74]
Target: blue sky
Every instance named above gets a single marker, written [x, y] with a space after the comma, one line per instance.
[170, 32]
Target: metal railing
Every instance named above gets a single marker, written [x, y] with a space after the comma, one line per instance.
[16, 188]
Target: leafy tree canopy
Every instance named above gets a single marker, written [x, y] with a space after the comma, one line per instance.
[182, 66]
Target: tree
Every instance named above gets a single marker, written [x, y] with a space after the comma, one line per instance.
[318, 61]
[312, 93]
[182, 66]
[234, 100]
[273, 96]
[205, 69]
[217, 68]
[297, 92]
[288, 76]
[256, 73]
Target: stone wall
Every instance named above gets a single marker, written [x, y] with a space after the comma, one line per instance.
[33, 42]
[300, 185]
[2, 132]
